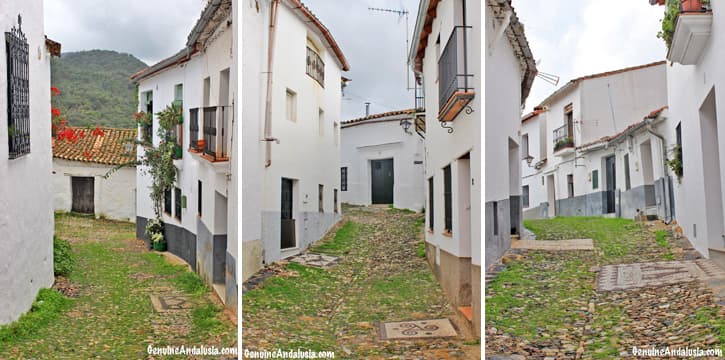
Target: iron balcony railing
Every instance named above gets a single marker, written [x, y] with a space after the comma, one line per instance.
[453, 75]
[562, 138]
[216, 121]
[315, 66]
[194, 128]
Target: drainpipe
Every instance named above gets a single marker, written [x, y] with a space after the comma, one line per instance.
[664, 150]
[268, 99]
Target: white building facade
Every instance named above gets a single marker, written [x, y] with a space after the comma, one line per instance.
[198, 212]
[26, 214]
[596, 147]
[382, 160]
[88, 183]
[445, 56]
[695, 103]
[291, 187]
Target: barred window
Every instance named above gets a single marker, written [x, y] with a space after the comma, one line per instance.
[315, 67]
[16, 51]
[177, 203]
[343, 178]
[167, 202]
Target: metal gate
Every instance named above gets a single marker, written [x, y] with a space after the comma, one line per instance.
[611, 183]
[287, 222]
[82, 191]
[382, 181]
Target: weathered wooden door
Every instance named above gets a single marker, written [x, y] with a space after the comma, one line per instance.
[82, 191]
[287, 220]
[611, 182]
[382, 181]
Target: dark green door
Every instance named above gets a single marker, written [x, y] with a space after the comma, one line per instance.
[287, 221]
[382, 181]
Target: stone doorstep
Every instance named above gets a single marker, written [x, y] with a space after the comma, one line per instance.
[554, 245]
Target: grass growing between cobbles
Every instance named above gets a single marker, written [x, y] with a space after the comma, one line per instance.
[548, 298]
[379, 278]
[113, 316]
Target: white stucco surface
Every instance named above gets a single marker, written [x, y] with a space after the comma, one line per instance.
[383, 138]
[443, 148]
[699, 211]
[26, 212]
[114, 198]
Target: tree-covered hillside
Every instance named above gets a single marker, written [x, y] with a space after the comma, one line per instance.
[95, 87]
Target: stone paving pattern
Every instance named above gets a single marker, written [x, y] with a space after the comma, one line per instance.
[364, 288]
[312, 259]
[417, 329]
[665, 304]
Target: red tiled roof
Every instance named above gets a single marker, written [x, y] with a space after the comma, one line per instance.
[653, 114]
[108, 149]
[379, 116]
[599, 75]
[532, 114]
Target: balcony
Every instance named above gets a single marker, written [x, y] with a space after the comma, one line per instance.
[216, 121]
[693, 26]
[455, 90]
[563, 142]
[194, 130]
[315, 67]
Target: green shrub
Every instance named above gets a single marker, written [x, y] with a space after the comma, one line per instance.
[63, 260]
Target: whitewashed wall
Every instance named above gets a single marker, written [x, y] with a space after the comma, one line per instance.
[443, 148]
[254, 46]
[383, 139]
[698, 210]
[302, 153]
[26, 213]
[114, 198]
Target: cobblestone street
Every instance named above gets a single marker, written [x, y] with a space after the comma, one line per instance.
[638, 288]
[379, 277]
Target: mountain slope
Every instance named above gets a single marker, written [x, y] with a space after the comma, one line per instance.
[95, 89]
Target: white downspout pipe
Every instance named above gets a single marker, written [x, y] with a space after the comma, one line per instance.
[268, 98]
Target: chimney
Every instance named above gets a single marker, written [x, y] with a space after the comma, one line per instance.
[367, 109]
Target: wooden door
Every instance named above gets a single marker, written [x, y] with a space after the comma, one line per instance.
[82, 191]
[287, 220]
[611, 182]
[382, 181]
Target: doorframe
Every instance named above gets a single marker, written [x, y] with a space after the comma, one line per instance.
[93, 189]
[370, 172]
[295, 191]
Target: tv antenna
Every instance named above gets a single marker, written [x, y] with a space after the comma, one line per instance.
[401, 13]
[550, 78]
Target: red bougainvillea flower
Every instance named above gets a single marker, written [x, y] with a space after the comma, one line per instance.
[54, 91]
[55, 112]
[97, 131]
[81, 133]
[86, 154]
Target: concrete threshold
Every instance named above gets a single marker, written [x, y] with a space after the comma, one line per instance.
[554, 245]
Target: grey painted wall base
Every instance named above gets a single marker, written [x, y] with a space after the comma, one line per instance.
[179, 241]
[310, 226]
[592, 204]
[497, 244]
[231, 284]
[211, 254]
[626, 203]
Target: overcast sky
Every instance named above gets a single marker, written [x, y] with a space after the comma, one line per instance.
[577, 38]
[148, 29]
[374, 45]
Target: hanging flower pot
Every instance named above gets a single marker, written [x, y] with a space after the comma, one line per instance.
[200, 143]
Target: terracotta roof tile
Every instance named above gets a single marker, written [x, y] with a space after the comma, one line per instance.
[108, 149]
[378, 116]
[598, 75]
[653, 114]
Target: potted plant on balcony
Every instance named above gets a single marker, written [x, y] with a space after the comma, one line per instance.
[200, 144]
[565, 142]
